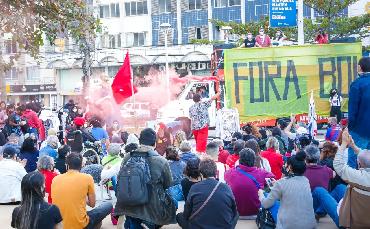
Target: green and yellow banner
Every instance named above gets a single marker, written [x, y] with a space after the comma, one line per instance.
[265, 83]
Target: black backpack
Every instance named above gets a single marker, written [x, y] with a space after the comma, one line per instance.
[133, 181]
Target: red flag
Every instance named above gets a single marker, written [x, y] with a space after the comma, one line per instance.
[122, 87]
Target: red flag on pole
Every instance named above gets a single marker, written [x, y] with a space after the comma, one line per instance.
[122, 86]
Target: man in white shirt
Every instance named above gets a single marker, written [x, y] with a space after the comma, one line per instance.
[11, 174]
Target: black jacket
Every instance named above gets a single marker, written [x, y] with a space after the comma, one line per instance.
[220, 212]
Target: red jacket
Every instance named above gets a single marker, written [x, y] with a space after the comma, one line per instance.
[276, 161]
[49, 176]
[32, 118]
[231, 160]
[322, 39]
[223, 155]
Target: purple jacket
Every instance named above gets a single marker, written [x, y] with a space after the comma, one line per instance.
[245, 190]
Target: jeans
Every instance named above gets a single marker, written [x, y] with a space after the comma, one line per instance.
[97, 215]
[135, 223]
[362, 143]
[326, 202]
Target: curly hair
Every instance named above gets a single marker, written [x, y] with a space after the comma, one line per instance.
[328, 151]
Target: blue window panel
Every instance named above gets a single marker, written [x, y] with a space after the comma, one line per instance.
[224, 14]
[194, 18]
[185, 36]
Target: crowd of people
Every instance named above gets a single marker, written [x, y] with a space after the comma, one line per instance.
[282, 172]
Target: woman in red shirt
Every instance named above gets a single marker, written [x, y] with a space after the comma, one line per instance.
[273, 156]
[322, 37]
[45, 165]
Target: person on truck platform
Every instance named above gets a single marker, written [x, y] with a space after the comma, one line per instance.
[199, 116]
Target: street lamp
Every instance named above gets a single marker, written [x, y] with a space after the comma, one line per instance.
[166, 28]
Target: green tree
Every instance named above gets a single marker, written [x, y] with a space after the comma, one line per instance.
[29, 21]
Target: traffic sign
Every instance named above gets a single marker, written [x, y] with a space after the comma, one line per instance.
[283, 13]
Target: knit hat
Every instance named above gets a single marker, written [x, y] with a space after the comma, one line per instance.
[148, 137]
[114, 149]
[9, 152]
[79, 121]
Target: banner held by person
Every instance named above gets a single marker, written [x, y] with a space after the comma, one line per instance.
[312, 125]
[122, 86]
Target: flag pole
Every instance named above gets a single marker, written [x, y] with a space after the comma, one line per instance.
[133, 95]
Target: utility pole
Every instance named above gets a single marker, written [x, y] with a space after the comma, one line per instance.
[300, 23]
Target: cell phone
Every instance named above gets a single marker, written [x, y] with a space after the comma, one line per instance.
[269, 182]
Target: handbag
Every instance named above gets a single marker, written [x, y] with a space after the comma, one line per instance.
[264, 218]
[205, 202]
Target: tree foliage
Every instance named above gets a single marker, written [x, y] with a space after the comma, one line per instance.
[29, 21]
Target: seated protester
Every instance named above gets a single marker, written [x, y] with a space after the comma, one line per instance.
[212, 150]
[72, 191]
[92, 169]
[218, 212]
[286, 133]
[356, 214]
[99, 133]
[159, 209]
[51, 131]
[113, 157]
[327, 158]
[14, 141]
[30, 153]
[319, 177]
[245, 180]
[233, 158]
[186, 154]
[333, 132]
[177, 170]
[34, 212]
[51, 148]
[236, 136]
[192, 176]
[248, 132]
[263, 140]
[261, 163]
[274, 157]
[276, 132]
[45, 165]
[11, 174]
[222, 154]
[60, 162]
[293, 191]
[180, 136]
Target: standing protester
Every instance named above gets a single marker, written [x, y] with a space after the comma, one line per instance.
[34, 212]
[263, 40]
[149, 204]
[249, 42]
[335, 104]
[322, 37]
[164, 139]
[72, 191]
[210, 203]
[200, 120]
[359, 110]
[33, 121]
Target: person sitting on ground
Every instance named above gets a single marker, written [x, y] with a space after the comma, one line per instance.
[99, 133]
[327, 158]
[245, 180]
[11, 174]
[293, 191]
[356, 214]
[92, 169]
[72, 191]
[212, 151]
[261, 163]
[45, 165]
[192, 175]
[51, 148]
[186, 153]
[113, 156]
[177, 170]
[230, 146]
[276, 132]
[180, 136]
[160, 209]
[164, 139]
[233, 158]
[275, 159]
[60, 162]
[222, 153]
[34, 212]
[200, 211]
[333, 132]
[30, 153]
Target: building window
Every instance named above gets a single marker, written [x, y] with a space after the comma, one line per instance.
[112, 41]
[104, 11]
[198, 33]
[195, 4]
[11, 74]
[114, 10]
[220, 3]
[135, 39]
[234, 3]
[164, 6]
[119, 45]
[33, 73]
[10, 46]
[136, 8]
